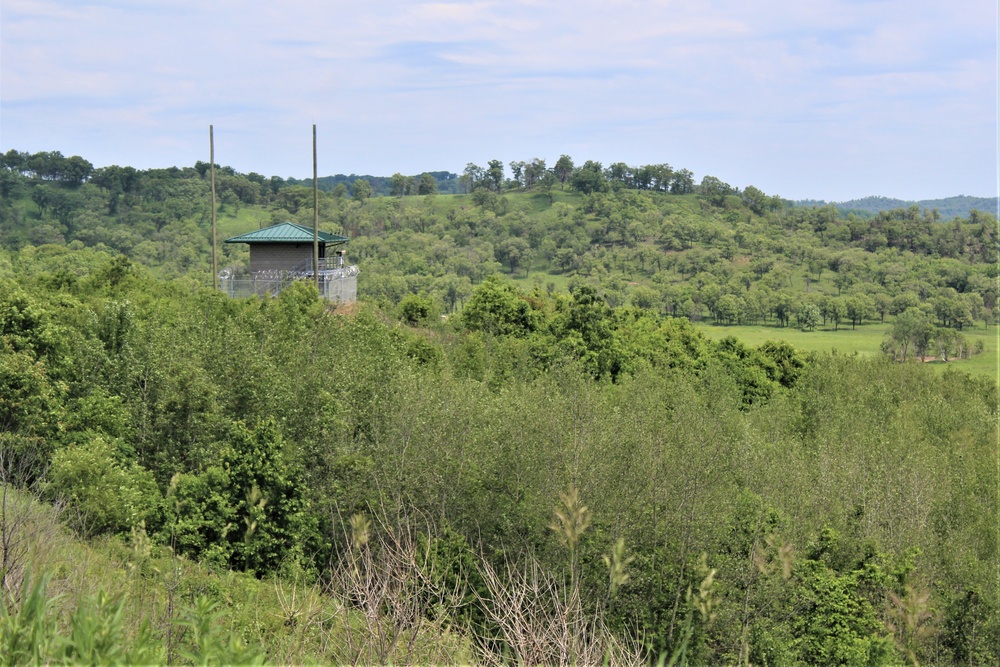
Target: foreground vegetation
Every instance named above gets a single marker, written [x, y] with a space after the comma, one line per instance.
[575, 462]
[113, 600]
[537, 459]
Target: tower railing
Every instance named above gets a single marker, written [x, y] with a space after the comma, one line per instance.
[337, 282]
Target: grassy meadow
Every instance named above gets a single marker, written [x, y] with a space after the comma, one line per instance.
[865, 340]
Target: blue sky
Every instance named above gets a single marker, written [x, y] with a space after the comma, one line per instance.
[824, 99]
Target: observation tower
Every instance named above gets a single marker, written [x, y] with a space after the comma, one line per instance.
[283, 253]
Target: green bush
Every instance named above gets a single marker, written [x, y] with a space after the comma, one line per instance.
[109, 496]
[249, 513]
[415, 308]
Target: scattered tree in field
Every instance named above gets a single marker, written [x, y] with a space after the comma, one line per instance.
[361, 191]
[428, 185]
[563, 169]
[807, 316]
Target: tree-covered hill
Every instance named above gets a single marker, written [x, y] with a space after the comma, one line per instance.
[647, 236]
[444, 182]
[947, 208]
[518, 446]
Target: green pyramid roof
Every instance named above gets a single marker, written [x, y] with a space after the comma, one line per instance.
[287, 232]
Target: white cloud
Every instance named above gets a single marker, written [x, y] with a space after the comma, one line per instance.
[723, 86]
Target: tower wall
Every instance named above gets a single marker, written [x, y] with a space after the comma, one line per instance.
[279, 256]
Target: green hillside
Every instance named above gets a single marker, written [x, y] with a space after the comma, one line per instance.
[648, 236]
[587, 415]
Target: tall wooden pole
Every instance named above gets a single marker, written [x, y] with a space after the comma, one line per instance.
[315, 214]
[211, 160]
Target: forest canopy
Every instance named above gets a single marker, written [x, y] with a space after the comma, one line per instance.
[522, 420]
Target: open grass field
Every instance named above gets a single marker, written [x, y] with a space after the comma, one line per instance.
[541, 279]
[866, 339]
[248, 219]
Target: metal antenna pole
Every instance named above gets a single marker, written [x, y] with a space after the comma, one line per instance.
[315, 214]
[211, 159]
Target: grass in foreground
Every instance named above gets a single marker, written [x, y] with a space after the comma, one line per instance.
[126, 600]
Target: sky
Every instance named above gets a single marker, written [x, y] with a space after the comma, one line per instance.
[806, 99]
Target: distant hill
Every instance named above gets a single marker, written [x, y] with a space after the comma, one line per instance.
[447, 182]
[950, 207]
